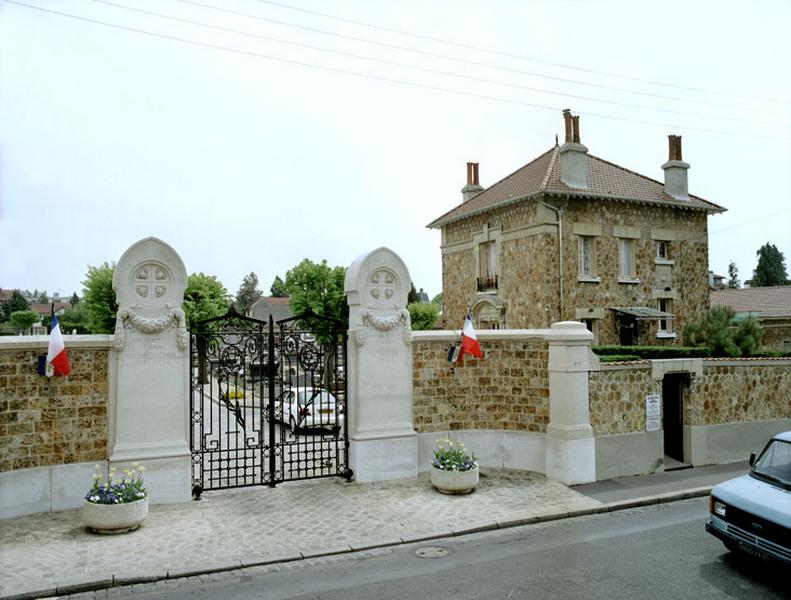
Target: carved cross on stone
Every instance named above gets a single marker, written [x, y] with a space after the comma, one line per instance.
[382, 287]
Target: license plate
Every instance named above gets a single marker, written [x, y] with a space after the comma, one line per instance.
[752, 551]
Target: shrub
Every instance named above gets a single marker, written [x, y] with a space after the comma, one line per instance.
[651, 351]
[716, 331]
[618, 357]
[422, 316]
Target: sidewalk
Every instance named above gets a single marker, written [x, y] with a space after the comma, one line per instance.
[52, 554]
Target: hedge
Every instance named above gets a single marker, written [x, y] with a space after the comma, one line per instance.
[652, 351]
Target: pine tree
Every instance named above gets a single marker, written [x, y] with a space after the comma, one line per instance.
[278, 288]
[248, 291]
[733, 276]
[771, 268]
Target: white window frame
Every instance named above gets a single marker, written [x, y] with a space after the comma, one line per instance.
[626, 250]
[589, 275]
[664, 327]
[662, 250]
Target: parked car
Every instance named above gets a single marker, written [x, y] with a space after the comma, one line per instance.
[752, 514]
[307, 408]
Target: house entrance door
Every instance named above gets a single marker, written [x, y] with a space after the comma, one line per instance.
[673, 386]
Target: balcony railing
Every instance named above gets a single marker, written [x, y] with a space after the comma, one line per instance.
[486, 284]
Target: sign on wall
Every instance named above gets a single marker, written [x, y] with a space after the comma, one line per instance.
[653, 410]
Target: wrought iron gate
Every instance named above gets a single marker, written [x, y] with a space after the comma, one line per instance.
[267, 401]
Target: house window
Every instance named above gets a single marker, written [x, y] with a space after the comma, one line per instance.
[587, 257]
[662, 250]
[626, 267]
[488, 276]
[664, 304]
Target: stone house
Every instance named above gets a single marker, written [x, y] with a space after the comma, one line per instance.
[570, 236]
[771, 306]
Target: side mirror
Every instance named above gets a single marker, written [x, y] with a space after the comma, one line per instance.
[752, 458]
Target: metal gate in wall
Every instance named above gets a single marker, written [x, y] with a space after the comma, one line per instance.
[267, 401]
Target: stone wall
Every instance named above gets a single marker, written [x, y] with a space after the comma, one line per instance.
[777, 333]
[53, 421]
[508, 390]
[527, 264]
[617, 397]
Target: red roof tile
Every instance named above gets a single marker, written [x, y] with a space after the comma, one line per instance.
[605, 180]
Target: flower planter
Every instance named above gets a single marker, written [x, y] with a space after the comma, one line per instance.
[454, 482]
[114, 518]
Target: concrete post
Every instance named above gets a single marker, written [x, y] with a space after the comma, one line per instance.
[383, 441]
[571, 449]
[149, 411]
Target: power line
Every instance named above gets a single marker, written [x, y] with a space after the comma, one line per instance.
[466, 61]
[519, 56]
[426, 69]
[368, 76]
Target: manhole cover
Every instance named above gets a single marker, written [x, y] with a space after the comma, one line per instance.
[432, 552]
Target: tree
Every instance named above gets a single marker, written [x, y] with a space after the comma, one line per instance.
[716, 331]
[423, 316]
[278, 288]
[74, 300]
[248, 291]
[16, 302]
[438, 300]
[319, 288]
[733, 276]
[98, 297]
[412, 297]
[204, 298]
[42, 297]
[74, 318]
[771, 268]
[23, 320]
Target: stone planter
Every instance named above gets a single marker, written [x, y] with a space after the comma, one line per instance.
[114, 518]
[454, 482]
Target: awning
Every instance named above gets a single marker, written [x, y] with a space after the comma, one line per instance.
[642, 312]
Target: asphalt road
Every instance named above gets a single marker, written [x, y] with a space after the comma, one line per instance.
[660, 551]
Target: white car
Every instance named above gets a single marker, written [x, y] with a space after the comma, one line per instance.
[310, 408]
[752, 513]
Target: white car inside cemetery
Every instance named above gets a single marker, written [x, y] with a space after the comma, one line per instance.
[752, 513]
[307, 408]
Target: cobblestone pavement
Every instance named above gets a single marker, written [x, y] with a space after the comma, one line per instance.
[49, 551]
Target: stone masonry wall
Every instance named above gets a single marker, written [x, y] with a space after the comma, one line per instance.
[508, 390]
[52, 420]
[527, 265]
[729, 391]
[777, 333]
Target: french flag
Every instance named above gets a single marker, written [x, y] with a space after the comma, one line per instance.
[469, 341]
[57, 361]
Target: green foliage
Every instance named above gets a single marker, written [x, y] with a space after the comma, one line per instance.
[23, 320]
[716, 331]
[42, 297]
[278, 288]
[204, 298]
[319, 288]
[117, 490]
[248, 291]
[74, 318]
[438, 300]
[650, 351]
[412, 297]
[98, 298]
[74, 300]
[13, 304]
[453, 456]
[771, 268]
[423, 316]
[733, 276]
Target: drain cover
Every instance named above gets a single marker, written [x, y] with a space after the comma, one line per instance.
[431, 552]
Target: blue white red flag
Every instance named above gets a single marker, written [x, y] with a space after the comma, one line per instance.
[57, 361]
[469, 341]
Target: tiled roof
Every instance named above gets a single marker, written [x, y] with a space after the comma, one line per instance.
[773, 301]
[605, 180]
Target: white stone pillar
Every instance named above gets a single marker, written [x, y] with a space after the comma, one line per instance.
[571, 449]
[149, 413]
[382, 439]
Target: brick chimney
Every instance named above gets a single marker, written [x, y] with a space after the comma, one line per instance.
[473, 187]
[675, 170]
[573, 155]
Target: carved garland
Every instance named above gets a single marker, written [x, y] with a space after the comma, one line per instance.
[384, 324]
[174, 317]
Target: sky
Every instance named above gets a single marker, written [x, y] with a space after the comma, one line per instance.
[251, 134]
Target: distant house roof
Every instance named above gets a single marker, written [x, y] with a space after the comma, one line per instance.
[773, 301]
[262, 307]
[44, 309]
[6, 295]
[542, 175]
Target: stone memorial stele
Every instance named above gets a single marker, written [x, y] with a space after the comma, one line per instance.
[382, 438]
[151, 419]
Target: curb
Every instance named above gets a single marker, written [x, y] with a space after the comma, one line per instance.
[482, 526]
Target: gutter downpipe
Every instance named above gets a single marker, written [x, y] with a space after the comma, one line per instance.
[559, 212]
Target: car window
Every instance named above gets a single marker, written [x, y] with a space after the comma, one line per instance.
[775, 462]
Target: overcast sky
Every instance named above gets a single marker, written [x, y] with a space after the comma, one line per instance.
[249, 154]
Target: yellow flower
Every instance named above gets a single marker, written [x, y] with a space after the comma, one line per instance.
[134, 464]
[141, 468]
